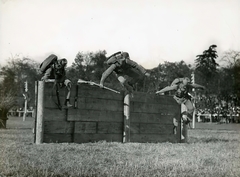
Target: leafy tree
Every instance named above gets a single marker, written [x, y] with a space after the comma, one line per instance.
[8, 90]
[206, 66]
[155, 80]
[230, 74]
[90, 66]
[15, 73]
[206, 61]
[176, 69]
[7, 101]
[232, 58]
[164, 74]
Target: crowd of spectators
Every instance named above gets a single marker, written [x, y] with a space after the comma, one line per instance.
[218, 109]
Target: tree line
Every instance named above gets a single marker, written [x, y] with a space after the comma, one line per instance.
[223, 81]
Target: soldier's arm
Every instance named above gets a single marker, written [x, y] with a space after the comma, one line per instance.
[197, 86]
[168, 88]
[176, 81]
[107, 73]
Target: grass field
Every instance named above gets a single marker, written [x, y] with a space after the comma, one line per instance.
[213, 151]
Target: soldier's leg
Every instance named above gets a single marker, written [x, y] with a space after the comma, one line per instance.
[124, 82]
[175, 125]
[189, 106]
[133, 79]
[47, 74]
[189, 113]
[68, 85]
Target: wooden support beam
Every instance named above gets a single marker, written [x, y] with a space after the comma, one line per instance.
[183, 127]
[40, 113]
[126, 122]
[35, 111]
[97, 116]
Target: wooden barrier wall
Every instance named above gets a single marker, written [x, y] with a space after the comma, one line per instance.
[98, 115]
[151, 118]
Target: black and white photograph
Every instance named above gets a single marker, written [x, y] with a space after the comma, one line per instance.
[119, 88]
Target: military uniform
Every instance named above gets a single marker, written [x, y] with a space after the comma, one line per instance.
[127, 71]
[182, 95]
[57, 71]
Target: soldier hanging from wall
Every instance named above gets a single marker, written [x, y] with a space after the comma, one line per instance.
[127, 71]
[54, 68]
[182, 96]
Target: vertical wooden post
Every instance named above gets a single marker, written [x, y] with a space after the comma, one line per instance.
[40, 113]
[25, 98]
[184, 133]
[179, 128]
[194, 115]
[126, 122]
[183, 127]
[25, 110]
[76, 98]
[35, 111]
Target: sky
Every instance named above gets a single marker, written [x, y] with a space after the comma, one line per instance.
[151, 31]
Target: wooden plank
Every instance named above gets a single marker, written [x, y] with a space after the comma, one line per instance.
[86, 138]
[152, 98]
[126, 122]
[35, 110]
[74, 89]
[162, 129]
[85, 127]
[88, 91]
[49, 90]
[94, 115]
[100, 104]
[58, 127]
[50, 94]
[134, 129]
[51, 101]
[55, 114]
[40, 113]
[153, 138]
[57, 138]
[151, 118]
[153, 108]
[109, 127]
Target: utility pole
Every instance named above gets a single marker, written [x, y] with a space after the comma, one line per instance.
[194, 93]
[25, 100]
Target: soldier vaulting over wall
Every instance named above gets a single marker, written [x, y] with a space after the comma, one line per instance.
[52, 68]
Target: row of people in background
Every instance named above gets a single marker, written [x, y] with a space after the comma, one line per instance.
[214, 105]
[231, 114]
[215, 101]
[219, 110]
